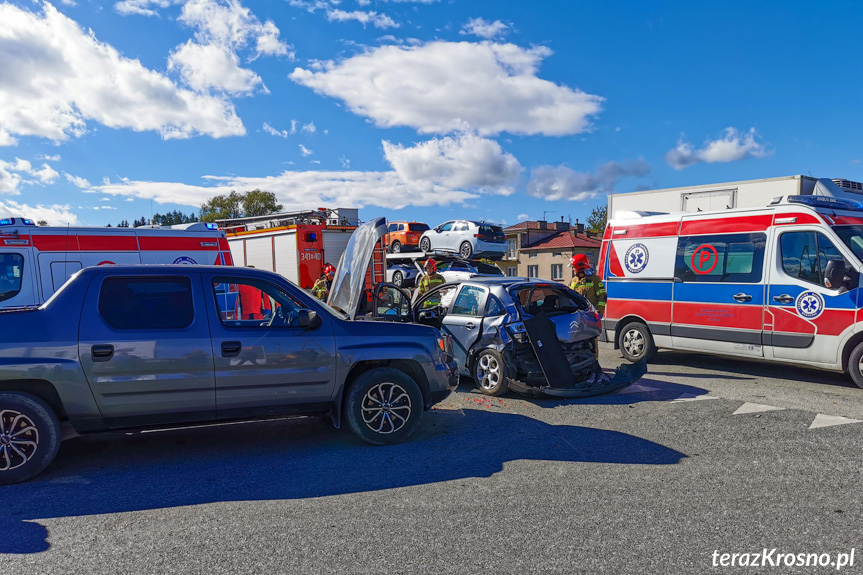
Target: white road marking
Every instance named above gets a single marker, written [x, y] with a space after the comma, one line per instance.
[637, 388]
[755, 408]
[692, 397]
[822, 420]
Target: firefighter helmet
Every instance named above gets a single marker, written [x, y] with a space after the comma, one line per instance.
[579, 262]
[430, 266]
[329, 270]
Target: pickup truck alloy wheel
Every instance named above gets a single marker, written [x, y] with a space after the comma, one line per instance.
[383, 406]
[19, 439]
[29, 436]
[490, 373]
[386, 408]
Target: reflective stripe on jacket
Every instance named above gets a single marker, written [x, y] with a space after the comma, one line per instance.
[592, 288]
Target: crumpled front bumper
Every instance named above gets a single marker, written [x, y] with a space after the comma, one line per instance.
[624, 375]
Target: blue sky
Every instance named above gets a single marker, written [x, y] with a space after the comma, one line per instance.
[420, 109]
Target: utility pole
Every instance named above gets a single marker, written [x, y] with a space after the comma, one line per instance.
[547, 212]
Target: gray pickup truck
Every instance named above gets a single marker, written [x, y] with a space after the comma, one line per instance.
[122, 347]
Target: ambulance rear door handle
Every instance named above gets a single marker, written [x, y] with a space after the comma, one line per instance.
[784, 298]
[742, 297]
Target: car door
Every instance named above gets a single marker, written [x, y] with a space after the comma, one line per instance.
[464, 320]
[805, 318]
[442, 236]
[460, 232]
[144, 346]
[718, 293]
[266, 360]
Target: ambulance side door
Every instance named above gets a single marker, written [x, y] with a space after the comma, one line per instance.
[719, 292]
[805, 319]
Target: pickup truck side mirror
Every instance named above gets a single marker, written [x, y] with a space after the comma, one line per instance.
[307, 319]
[837, 276]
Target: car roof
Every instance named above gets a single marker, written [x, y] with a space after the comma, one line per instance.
[506, 281]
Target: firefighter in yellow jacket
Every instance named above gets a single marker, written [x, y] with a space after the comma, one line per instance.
[587, 283]
[430, 280]
[321, 289]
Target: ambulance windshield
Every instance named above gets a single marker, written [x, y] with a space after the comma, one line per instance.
[11, 266]
[851, 236]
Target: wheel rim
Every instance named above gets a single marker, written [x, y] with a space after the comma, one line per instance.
[488, 372]
[425, 245]
[465, 250]
[397, 279]
[19, 439]
[633, 342]
[397, 248]
[386, 408]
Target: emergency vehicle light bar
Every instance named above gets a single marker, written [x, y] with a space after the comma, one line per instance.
[12, 221]
[212, 226]
[826, 202]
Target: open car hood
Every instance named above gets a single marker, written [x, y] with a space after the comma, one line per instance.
[350, 280]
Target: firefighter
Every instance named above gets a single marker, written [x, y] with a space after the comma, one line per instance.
[587, 283]
[430, 280]
[321, 289]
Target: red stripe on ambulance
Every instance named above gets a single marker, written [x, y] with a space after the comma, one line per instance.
[726, 225]
[652, 311]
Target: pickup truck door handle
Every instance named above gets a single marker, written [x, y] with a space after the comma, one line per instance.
[742, 297]
[470, 325]
[784, 298]
[102, 352]
[231, 348]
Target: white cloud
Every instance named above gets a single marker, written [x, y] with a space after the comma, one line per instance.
[229, 23]
[438, 172]
[54, 158]
[465, 161]
[731, 146]
[142, 7]
[364, 18]
[55, 215]
[523, 217]
[212, 67]
[441, 86]
[77, 181]
[57, 77]
[484, 29]
[274, 132]
[562, 183]
[11, 175]
[310, 128]
[305, 151]
[47, 175]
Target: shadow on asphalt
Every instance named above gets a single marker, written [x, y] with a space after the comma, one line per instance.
[290, 459]
[750, 369]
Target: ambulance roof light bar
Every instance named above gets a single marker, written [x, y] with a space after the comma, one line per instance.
[16, 221]
[826, 202]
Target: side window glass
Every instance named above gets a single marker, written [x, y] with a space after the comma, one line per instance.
[826, 252]
[147, 302]
[723, 258]
[392, 227]
[494, 307]
[391, 302]
[446, 227]
[460, 227]
[468, 301]
[441, 297]
[252, 303]
[11, 273]
[799, 252]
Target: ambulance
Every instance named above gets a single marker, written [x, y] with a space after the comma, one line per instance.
[779, 282]
[35, 261]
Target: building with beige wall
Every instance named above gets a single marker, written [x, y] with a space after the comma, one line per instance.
[543, 249]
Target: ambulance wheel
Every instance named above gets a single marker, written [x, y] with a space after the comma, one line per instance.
[855, 365]
[489, 373]
[29, 436]
[635, 342]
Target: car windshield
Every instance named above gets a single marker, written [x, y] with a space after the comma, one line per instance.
[418, 227]
[851, 236]
[547, 299]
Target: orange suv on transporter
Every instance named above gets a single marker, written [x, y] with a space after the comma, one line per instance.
[404, 236]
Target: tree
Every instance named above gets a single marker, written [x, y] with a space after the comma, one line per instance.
[174, 218]
[598, 219]
[239, 205]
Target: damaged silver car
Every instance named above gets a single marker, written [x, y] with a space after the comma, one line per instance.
[531, 336]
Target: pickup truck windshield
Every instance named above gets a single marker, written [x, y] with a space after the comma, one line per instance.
[851, 236]
[11, 268]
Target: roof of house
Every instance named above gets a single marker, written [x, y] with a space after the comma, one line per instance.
[531, 226]
[564, 240]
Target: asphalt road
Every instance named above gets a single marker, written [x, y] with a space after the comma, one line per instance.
[650, 481]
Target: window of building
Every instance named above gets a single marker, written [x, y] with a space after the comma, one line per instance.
[805, 256]
[723, 258]
[532, 255]
[11, 273]
[557, 271]
[532, 271]
[147, 302]
[556, 254]
[511, 248]
[512, 272]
